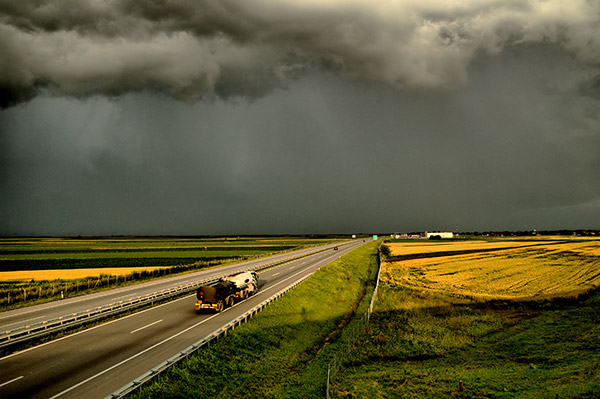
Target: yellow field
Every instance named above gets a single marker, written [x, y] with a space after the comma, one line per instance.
[70, 274]
[410, 248]
[549, 270]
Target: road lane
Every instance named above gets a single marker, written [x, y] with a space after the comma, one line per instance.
[20, 317]
[99, 360]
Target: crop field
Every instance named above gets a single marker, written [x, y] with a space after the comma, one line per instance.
[520, 322]
[53, 253]
[71, 274]
[66, 253]
[420, 247]
[544, 270]
[38, 269]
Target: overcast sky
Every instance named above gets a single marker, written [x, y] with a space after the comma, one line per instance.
[287, 116]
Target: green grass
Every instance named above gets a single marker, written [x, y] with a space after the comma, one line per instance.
[425, 346]
[283, 351]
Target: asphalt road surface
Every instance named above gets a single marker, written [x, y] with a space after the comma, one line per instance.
[33, 314]
[99, 360]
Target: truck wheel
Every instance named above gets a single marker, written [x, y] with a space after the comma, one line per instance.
[230, 301]
[220, 306]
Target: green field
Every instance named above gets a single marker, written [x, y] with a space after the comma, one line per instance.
[53, 253]
[70, 253]
[503, 350]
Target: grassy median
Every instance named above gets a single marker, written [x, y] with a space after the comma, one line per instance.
[283, 352]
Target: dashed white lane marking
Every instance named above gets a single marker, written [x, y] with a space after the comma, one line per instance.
[13, 380]
[141, 328]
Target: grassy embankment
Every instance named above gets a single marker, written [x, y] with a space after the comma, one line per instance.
[38, 270]
[521, 323]
[283, 352]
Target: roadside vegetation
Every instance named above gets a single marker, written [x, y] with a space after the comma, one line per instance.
[35, 270]
[513, 323]
[284, 351]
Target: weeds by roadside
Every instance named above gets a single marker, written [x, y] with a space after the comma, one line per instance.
[284, 351]
[422, 345]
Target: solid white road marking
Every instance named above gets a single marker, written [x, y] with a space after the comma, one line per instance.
[141, 328]
[13, 380]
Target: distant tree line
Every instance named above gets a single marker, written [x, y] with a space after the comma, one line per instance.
[562, 232]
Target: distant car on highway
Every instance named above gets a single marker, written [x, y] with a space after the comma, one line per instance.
[335, 248]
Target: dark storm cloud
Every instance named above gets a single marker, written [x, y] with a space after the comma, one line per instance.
[193, 50]
[516, 148]
[398, 116]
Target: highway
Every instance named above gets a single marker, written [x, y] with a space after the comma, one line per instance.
[99, 360]
[33, 314]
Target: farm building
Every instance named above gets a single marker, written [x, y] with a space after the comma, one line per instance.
[439, 234]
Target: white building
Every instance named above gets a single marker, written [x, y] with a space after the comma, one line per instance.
[441, 234]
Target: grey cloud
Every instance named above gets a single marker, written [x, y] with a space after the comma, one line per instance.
[361, 116]
[195, 50]
[515, 148]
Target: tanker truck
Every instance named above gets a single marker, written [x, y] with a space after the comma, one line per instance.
[227, 291]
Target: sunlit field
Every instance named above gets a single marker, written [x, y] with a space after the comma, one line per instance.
[545, 270]
[522, 321]
[427, 247]
[71, 274]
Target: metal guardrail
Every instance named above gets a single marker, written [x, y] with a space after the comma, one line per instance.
[155, 372]
[38, 329]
